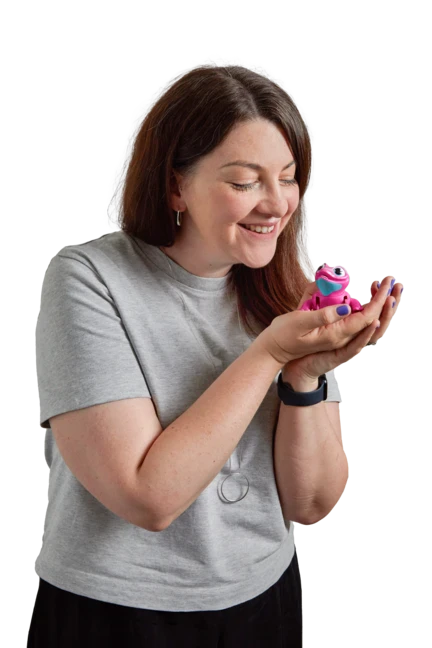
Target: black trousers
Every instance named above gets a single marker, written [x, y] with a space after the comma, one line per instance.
[272, 619]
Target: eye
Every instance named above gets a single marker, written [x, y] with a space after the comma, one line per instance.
[339, 271]
[322, 266]
[246, 187]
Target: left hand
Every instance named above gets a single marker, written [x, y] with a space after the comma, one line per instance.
[310, 367]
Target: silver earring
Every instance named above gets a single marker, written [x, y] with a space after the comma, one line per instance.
[179, 218]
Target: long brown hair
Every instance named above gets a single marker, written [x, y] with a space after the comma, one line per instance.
[188, 121]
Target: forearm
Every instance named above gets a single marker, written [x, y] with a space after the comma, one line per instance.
[192, 450]
[311, 467]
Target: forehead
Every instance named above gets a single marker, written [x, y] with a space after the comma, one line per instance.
[260, 142]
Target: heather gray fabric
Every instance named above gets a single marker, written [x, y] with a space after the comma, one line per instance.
[112, 325]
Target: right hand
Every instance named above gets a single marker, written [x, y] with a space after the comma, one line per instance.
[300, 333]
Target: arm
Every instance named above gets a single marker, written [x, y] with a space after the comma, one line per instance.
[311, 467]
[191, 451]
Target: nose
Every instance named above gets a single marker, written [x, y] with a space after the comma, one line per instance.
[276, 203]
[275, 209]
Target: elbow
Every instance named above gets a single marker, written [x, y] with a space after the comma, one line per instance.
[154, 524]
[146, 519]
[302, 520]
[298, 514]
[146, 512]
[160, 526]
[314, 519]
[151, 525]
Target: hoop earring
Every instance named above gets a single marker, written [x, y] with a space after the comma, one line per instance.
[179, 219]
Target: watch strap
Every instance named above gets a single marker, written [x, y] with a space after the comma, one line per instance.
[290, 397]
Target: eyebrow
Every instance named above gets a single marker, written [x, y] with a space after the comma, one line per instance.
[251, 165]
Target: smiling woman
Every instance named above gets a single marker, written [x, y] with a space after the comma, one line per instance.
[138, 538]
[210, 202]
[239, 155]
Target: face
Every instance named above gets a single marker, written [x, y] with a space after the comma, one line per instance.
[214, 207]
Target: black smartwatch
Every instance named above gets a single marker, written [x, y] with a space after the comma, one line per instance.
[290, 397]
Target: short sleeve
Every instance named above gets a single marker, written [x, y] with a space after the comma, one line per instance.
[83, 354]
[333, 393]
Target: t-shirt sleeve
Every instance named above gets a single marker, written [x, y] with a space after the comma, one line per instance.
[83, 354]
[333, 393]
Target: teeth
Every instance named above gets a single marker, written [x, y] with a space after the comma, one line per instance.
[264, 230]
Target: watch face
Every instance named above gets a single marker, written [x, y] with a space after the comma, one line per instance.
[325, 387]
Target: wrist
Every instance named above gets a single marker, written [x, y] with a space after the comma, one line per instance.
[262, 342]
[299, 382]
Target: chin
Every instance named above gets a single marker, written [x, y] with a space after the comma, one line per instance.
[255, 266]
[257, 260]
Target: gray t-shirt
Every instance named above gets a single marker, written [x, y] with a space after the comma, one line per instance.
[113, 325]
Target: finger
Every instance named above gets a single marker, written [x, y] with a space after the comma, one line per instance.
[374, 287]
[331, 314]
[367, 332]
[349, 328]
[396, 292]
[381, 295]
[393, 300]
[373, 309]
[385, 300]
[362, 339]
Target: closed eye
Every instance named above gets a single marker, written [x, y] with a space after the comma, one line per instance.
[245, 187]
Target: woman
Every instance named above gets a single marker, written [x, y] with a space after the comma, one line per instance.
[181, 323]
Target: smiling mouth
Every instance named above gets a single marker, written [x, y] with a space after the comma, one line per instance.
[251, 235]
[270, 228]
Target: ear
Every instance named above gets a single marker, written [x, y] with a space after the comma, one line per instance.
[176, 184]
[311, 288]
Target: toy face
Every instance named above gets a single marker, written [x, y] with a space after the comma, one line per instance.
[330, 279]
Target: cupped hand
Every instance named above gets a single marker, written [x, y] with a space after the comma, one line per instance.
[381, 308]
[391, 303]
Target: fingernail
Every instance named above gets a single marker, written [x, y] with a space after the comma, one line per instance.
[401, 290]
[393, 304]
[389, 292]
[392, 283]
[342, 310]
[378, 284]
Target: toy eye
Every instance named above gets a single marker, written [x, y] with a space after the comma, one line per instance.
[339, 271]
[322, 266]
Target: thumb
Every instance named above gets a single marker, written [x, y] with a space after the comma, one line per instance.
[310, 320]
[330, 314]
[342, 310]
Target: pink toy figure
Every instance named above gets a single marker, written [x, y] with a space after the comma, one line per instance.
[331, 284]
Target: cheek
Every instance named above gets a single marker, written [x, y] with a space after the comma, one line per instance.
[233, 207]
[293, 203]
[286, 219]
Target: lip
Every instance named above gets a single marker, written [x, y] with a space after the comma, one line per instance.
[264, 237]
[328, 277]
